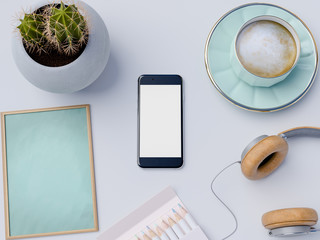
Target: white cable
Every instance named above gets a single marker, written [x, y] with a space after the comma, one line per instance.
[223, 203]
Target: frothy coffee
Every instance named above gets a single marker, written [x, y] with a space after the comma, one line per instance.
[266, 48]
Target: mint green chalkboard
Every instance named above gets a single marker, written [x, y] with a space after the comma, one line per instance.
[49, 185]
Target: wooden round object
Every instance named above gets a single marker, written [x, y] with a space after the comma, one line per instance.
[264, 157]
[290, 217]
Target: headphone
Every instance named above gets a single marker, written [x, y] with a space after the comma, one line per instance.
[262, 157]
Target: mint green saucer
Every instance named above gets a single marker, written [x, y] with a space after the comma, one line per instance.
[238, 92]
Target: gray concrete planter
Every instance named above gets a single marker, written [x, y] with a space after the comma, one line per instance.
[75, 75]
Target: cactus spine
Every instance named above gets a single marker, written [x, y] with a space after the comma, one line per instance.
[32, 31]
[66, 28]
[57, 27]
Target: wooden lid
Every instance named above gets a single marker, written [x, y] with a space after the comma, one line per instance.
[290, 217]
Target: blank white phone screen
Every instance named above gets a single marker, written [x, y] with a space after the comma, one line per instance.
[160, 121]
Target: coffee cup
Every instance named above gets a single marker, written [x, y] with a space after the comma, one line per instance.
[265, 50]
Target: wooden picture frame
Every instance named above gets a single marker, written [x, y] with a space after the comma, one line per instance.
[67, 130]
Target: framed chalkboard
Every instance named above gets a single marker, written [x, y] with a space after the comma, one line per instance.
[49, 184]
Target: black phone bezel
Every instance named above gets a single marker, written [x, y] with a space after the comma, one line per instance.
[160, 162]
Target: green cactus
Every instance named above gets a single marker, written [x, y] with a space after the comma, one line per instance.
[66, 28]
[32, 31]
[55, 27]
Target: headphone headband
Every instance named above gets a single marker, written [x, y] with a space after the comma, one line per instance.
[301, 131]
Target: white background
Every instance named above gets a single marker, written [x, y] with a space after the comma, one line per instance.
[168, 36]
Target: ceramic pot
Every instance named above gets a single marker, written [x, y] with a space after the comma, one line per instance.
[76, 75]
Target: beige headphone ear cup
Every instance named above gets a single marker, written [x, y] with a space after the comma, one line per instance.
[290, 217]
[264, 157]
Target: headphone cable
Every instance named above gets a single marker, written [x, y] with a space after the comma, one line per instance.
[223, 203]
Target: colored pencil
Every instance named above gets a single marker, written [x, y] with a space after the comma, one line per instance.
[169, 231]
[161, 233]
[186, 215]
[145, 236]
[152, 234]
[176, 228]
[182, 223]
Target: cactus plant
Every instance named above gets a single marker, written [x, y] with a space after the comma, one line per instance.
[56, 27]
[66, 28]
[32, 28]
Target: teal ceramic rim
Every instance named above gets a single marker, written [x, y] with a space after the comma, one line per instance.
[240, 104]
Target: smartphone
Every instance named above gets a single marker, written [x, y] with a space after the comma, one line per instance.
[160, 128]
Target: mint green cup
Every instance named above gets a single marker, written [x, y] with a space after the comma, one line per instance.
[252, 78]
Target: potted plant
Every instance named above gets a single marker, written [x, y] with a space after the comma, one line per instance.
[61, 48]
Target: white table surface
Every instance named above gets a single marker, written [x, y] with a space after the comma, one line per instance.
[168, 36]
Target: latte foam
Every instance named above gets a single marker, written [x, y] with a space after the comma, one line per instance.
[266, 48]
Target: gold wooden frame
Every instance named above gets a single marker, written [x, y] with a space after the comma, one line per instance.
[5, 177]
